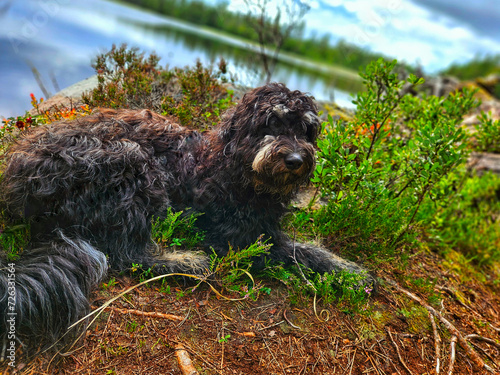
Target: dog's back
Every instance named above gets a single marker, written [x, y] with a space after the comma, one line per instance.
[88, 188]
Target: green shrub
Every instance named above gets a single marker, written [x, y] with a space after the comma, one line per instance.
[232, 271]
[379, 168]
[470, 222]
[203, 97]
[128, 79]
[487, 136]
[177, 229]
[124, 76]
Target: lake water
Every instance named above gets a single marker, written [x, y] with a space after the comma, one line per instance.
[59, 38]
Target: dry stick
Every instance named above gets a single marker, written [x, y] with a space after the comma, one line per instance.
[481, 338]
[289, 322]
[184, 361]
[461, 340]
[353, 358]
[437, 342]
[152, 314]
[246, 334]
[495, 328]
[453, 343]
[397, 351]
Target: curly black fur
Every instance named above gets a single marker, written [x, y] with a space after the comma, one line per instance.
[90, 187]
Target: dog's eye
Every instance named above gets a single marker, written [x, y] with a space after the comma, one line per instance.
[272, 122]
[272, 126]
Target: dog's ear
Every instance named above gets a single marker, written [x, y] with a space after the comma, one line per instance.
[313, 126]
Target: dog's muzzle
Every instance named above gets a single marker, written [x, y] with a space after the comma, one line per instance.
[293, 161]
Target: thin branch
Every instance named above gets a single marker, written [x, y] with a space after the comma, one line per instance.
[397, 351]
[461, 340]
[437, 342]
[453, 343]
[481, 338]
[150, 314]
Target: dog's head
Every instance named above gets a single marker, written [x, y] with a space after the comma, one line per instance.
[274, 131]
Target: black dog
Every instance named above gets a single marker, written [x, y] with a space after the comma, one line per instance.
[90, 188]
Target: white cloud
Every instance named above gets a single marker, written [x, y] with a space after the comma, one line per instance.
[402, 29]
[333, 3]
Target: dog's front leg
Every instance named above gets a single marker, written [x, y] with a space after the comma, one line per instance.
[321, 260]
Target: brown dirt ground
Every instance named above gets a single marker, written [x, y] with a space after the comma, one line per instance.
[273, 336]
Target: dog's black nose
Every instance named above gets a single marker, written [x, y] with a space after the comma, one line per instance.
[293, 161]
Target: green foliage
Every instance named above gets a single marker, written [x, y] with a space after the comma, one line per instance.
[123, 75]
[343, 288]
[127, 79]
[470, 222]
[233, 270]
[110, 284]
[14, 239]
[477, 67]
[351, 297]
[132, 326]
[203, 97]
[224, 339]
[143, 274]
[177, 229]
[379, 168]
[397, 170]
[487, 136]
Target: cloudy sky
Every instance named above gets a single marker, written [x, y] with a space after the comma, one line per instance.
[60, 37]
[433, 33]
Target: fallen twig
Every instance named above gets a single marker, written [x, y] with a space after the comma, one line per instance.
[437, 343]
[397, 351]
[481, 338]
[461, 340]
[453, 342]
[246, 334]
[272, 325]
[151, 314]
[289, 322]
[184, 361]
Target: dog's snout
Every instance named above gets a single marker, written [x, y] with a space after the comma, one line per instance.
[293, 161]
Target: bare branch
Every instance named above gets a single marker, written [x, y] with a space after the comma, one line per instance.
[437, 342]
[273, 27]
[453, 330]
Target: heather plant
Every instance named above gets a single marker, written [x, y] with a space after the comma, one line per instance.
[203, 97]
[123, 74]
[128, 79]
[340, 288]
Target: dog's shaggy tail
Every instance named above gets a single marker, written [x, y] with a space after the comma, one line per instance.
[46, 291]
